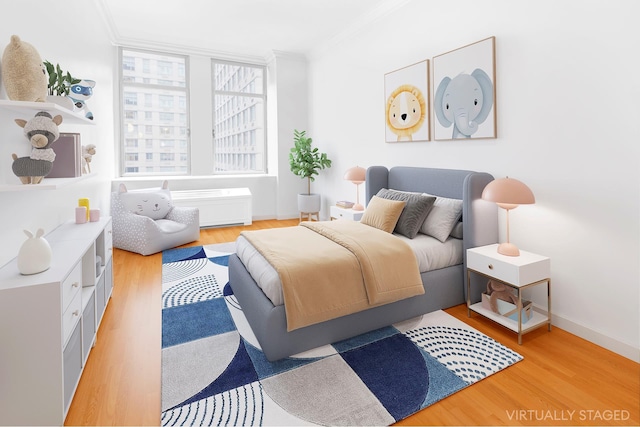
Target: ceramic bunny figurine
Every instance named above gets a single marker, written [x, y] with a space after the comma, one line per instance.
[35, 253]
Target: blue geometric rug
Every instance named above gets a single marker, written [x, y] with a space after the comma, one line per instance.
[214, 373]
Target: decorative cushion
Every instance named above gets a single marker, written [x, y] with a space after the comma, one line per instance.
[443, 217]
[154, 203]
[457, 231]
[382, 213]
[414, 213]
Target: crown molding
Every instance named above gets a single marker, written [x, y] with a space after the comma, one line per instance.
[383, 9]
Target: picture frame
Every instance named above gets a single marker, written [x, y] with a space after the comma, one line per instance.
[407, 106]
[464, 86]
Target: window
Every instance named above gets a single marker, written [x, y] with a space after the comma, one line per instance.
[239, 101]
[154, 88]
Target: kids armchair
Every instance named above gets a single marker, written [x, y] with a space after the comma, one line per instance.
[145, 221]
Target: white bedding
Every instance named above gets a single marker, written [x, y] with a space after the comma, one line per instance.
[430, 253]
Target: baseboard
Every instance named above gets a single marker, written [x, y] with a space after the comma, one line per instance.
[619, 347]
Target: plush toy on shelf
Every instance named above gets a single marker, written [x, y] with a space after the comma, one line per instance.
[87, 154]
[41, 131]
[79, 93]
[23, 72]
[35, 253]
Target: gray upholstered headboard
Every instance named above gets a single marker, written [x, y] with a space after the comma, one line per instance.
[479, 217]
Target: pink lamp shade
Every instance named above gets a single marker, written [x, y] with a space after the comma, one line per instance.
[357, 175]
[508, 193]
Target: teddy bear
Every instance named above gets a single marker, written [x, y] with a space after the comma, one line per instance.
[497, 290]
[23, 73]
[41, 131]
[87, 154]
[406, 111]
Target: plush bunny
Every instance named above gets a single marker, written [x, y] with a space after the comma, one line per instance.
[35, 253]
[497, 290]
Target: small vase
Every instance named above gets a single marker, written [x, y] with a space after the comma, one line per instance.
[62, 101]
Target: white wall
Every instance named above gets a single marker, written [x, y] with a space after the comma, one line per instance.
[79, 45]
[567, 107]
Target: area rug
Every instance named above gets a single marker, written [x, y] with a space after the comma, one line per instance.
[214, 373]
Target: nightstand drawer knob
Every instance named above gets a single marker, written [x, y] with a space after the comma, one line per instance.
[490, 266]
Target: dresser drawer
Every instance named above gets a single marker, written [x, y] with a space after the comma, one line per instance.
[521, 270]
[71, 285]
[71, 316]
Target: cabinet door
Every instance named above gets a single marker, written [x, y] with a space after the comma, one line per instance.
[72, 357]
[88, 327]
[101, 302]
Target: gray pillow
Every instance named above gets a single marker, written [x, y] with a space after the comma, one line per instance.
[417, 208]
[442, 218]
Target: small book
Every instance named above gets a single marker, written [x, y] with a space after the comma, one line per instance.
[68, 161]
[345, 204]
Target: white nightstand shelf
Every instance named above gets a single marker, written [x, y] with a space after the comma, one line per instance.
[518, 273]
[342, 213]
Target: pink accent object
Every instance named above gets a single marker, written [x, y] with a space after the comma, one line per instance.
[94, 215]
[508, 193]
[81, 214]
[357, 176]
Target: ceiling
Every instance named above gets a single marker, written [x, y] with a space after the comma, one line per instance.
[240, 27]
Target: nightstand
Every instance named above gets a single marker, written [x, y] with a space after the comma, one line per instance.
[519, 272]
[341, 213]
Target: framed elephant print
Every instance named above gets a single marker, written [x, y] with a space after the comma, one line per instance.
[464, 84]
[407, 103]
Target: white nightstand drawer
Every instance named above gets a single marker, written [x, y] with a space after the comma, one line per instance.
[519, 271]
[342, 213]
[71, 285]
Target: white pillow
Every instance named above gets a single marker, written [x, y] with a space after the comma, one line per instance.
[442, 218]
[154, 203]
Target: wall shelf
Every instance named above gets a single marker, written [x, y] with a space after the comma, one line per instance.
[27, 109]
[46, 184]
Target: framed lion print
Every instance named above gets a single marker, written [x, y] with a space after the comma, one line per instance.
[407, 103]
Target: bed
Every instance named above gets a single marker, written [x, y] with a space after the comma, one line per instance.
[444, 287]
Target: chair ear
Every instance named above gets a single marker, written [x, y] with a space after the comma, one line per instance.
[122, 188]
[165, 185]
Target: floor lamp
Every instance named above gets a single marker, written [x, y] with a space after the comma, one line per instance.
[508, 193]
[357, 176]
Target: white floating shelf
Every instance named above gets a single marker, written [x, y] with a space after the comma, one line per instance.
[20, 108]
[46, 184]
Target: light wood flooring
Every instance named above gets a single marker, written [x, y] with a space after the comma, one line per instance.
[563, 380]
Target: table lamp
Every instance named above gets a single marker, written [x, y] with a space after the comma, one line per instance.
[508, 193]
[356, 175]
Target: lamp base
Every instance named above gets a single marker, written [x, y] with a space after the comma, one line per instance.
[508, 249]
[357, 207]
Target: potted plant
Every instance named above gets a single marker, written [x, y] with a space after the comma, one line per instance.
[59, 85]
[306, 161]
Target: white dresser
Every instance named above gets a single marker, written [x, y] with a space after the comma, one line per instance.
[48, 323]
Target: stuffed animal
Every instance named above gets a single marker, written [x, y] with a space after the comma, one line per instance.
[405, 111]
[23, 73]
[87, 154]
[41, 131]
[497, 290]
[79, 93]
[153, 203]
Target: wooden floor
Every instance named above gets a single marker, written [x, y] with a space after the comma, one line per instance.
[563, 380]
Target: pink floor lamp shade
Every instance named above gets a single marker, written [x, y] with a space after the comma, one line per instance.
[508, 193]
[356, 175]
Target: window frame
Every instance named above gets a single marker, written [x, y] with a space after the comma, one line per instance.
[262, 96]
[183, 72]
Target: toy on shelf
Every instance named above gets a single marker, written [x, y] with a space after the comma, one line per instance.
[79, 93]
[41, 131]
[23, 72]
[87, 154]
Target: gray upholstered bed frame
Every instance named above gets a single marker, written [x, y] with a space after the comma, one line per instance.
[444, 288]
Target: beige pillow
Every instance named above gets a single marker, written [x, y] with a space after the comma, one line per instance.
[383, 213]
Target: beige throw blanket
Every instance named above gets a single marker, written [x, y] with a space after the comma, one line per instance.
[331, 269]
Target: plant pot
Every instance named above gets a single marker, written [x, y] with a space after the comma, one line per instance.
[309, 202]
[62, 101]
